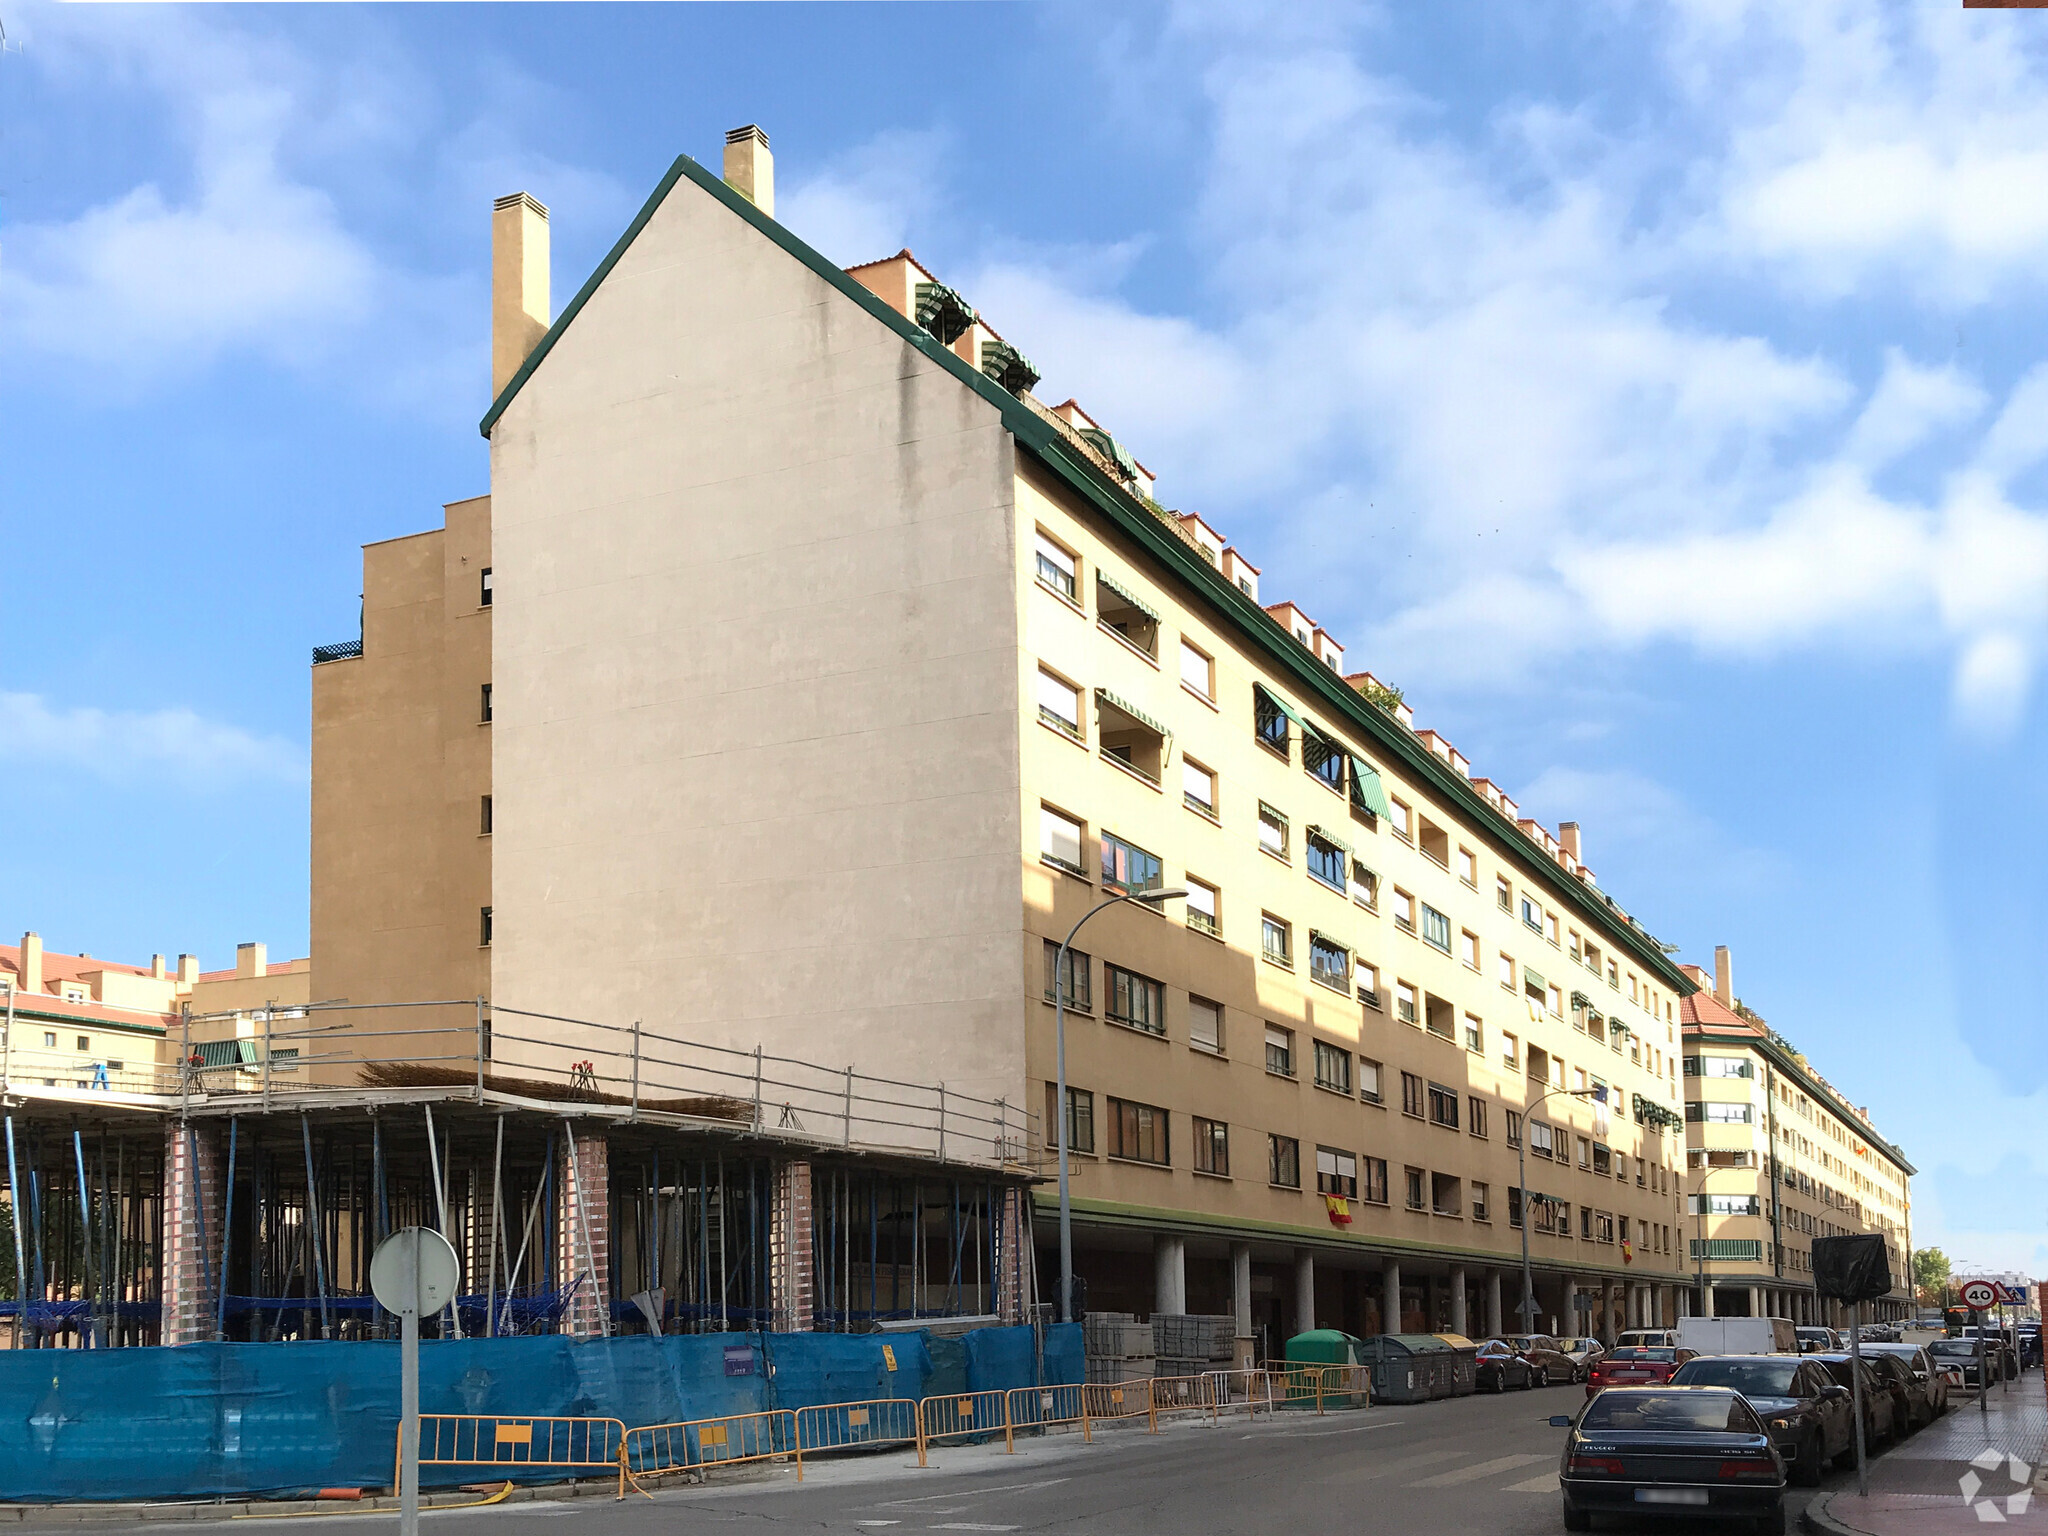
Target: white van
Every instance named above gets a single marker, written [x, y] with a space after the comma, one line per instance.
[1738, 1335]
[1653, 1338]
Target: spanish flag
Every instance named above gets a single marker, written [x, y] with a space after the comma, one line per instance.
[1340, 1210]
[1628, 1251]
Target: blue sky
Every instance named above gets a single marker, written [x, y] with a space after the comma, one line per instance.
[1658, 394]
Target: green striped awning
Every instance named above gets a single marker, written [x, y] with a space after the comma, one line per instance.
[1282, 705]
[1366, 791]
[1326, 835]
[1533, 979]
[1126, 594]
[1330, 938]
[1104, 696]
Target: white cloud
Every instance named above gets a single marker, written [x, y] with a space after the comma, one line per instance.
[124, 745]
[869, 201]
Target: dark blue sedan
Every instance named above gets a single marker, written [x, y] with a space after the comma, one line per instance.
[1691, 1452]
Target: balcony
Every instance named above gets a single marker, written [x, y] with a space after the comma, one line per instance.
[341, 650]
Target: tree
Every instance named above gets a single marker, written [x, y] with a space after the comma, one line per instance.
[1930, 1275]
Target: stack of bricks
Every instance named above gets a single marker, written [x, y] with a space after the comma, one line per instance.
[583, 1210]
[791, 1251]
[1013, 1252]
[191, 1245]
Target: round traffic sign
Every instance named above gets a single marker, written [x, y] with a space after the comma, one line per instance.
[1979, 1295]
[414, 1269]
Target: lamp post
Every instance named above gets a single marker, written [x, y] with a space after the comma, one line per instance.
[1527, 1305]
[1059, 1108]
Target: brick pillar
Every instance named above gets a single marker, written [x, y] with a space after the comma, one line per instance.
[1013, 1243]
[191, 1232]
[584, 1196]
[792, 1258]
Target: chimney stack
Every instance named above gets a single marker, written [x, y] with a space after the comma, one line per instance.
[1568, 835]
[252, 960]
[1724, 976]
[156, 967]
[519, 284]
[31, 972]
[749, 168]
[188, 970]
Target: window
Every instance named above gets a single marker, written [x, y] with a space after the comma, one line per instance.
[1481, 1202]
[1436, 929]
[1205, 1024]
[1365, 885]
[1369, 1080]
[1056, 567]
[1368, 984]
[1475, 1034]
[1510, 1048]
[1585, 1152]
[1078, 996]
[1719, 1114]
[485, 716]
[1434, 842]
[1212, 1147]
[1325, 860]
[1475, 1115]
[1272, 830]
[1404, 1003]
[1443, 1106]
[1126, 867]
[483, 597]
[1201, 907]
[85, 1044]
[1329, 962]
[1724, 1205]
[1138, 1132]
[1412, 1098]
[1336, 1173]
[1124, 614]
[1438, 1016]
[1586, 1222]
[1333, 1068]
[1404, 910]
[483, 935]
[1555, 995]
[1468, 866]
[1080, 1117]
[1197, 671]
[1603, 1158]
[1505, 969]
[1269, 722]
[1514, 1128]
[1532, 914]
[1398, 816]
[1059, 840]
[1323, 762]
[1468, 949]
[1503, 894]
[1514, 1206]
[50, 1042]
[485, 829]
[1446, 1194]
[1279, 1051]
[1550, 927]
[1541, 1141]
[1059, 704]
[1719, 1066]
[1283, 1161]
[1197, 787]
[1275, 940]
[1414, 1184]
[1135, 1000]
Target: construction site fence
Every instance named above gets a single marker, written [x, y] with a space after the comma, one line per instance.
[697, 1445]
[513, 1443]
[1321, 1388]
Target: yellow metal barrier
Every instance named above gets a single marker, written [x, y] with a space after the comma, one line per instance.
[1343, 1386]
[1182, 1394]
[964, 1413]
[700, 1444]
[1120, 1400]
[500, 1440]
[1251, 1388]
[1043, 1407]
[844, 1426]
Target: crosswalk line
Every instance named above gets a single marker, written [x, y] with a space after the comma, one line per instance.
[1473, 1473]
[1367, 1470]
[1547, 1483]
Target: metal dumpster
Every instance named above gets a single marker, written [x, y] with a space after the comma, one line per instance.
[1462, 1363]
[1407, 1367]
[1318, 1347]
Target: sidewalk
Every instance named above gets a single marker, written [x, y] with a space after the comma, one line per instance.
[1956, 1476]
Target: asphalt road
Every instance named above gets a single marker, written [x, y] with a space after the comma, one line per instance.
[1478, 1464]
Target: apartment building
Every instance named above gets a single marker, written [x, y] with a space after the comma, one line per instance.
[1775, 1158]
[85, 1024]
[804, 679]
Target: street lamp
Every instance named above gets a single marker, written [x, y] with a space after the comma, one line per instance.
[1059, 997]
[1527, 1306]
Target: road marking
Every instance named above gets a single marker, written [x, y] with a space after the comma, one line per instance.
[1547, 1483]
[1472, 1474]
[878, 1522]
[1349, 1429]
[1366, 1471]
[967, 1525]
[963, 1493]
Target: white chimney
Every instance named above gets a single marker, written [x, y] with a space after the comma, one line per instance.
[1724, 976]
[252, 960]
[749, 168]
[519, 284]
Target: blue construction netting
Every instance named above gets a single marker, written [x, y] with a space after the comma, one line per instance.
[230, 1420]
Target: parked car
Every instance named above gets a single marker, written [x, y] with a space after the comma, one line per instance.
[1499, 1367]
[1809, 1415]
[1960, 1357]
[1583, 1353]
[1907, 1398]
[1884, 1413]
[1635, 1365]
[2030, 1344]
[1816, 1340]
[1548, 1363]
[1930, 1381]
[1661, 1338]
[1697, 1451]
[1738, 1336]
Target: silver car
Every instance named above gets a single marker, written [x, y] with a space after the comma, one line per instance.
[1583, 1353]
[1930, 1400]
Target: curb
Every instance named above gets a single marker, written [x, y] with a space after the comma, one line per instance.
[1816, 1520]
[273, 1509]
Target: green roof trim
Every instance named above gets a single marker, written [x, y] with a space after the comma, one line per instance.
[1782, 1060]
[1126, 594]
[1104, 696]
[1046, 444]
[1367, 793]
